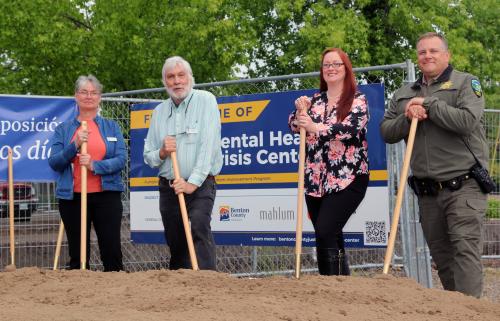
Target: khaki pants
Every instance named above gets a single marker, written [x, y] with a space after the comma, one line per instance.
[452, 226]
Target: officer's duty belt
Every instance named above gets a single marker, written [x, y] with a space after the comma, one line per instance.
[427, 186]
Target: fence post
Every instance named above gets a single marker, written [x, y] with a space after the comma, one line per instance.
[255, 259]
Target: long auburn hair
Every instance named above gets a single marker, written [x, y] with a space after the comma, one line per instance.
[348, 90]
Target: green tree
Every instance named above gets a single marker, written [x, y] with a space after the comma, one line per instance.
[45, 44]
[471, 27]
[124, 43]
[39, 51]
[292, 34]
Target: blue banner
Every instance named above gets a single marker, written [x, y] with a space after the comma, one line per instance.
[260, 143]
[27, 125]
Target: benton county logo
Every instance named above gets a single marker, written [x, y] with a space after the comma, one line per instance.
[228, 213]
[224, 213]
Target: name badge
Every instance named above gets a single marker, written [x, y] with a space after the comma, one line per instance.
[191, 131]
[111, 139]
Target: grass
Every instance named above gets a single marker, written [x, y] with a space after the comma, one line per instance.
[493, 210]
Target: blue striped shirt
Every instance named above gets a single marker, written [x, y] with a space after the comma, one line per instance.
[196, 125]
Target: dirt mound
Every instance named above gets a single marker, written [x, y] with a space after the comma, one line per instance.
[34, 294]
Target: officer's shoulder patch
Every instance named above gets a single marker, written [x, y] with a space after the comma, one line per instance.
[476, 87]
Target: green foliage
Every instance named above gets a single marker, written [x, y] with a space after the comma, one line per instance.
[46, 44]
[493, 210]
[124, 43]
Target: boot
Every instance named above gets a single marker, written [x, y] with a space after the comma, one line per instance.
[344, 263]
[328, 261]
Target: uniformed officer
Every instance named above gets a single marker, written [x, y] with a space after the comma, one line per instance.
[449, 105]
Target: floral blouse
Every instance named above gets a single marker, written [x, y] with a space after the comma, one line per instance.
[339, 151]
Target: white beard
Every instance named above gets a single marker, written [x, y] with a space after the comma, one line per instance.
[180, 97]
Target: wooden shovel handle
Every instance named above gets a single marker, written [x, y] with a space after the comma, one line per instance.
[83, 222]
[11, 207]
[184, 214]
[58, 245]
[300, 201]
[399, 199]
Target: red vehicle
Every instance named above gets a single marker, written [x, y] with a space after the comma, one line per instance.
[25, 201]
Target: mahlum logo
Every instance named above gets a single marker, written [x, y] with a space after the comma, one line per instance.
[228, 213]
[277, 214]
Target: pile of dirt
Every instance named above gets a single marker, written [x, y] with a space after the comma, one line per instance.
[34, 294]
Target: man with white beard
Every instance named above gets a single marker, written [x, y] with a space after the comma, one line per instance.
[187, 123]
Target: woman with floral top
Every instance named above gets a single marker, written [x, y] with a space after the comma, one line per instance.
[336, 168]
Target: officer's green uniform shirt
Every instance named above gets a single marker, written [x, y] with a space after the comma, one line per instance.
[455, 107]
[196, 125]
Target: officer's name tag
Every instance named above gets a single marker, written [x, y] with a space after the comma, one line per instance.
[191, 131]
[111, 139]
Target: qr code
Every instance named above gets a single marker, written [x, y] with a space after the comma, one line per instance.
[375, 232]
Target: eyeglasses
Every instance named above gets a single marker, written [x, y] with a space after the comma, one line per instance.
[89, 93]
[335, 65]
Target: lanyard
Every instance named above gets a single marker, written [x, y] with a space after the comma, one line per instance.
[172, 106]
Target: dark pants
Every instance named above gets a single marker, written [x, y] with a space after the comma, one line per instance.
[199, 207]
[452, 226]
[329, 214]
[104, 211]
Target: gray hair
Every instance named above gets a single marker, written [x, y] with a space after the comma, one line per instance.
[171, 62]
[82, 80]
[428, 35]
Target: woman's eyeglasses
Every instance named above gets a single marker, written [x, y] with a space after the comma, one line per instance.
[335, 65]
[89, 93]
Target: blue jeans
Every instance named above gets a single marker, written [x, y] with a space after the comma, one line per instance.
[199, 207]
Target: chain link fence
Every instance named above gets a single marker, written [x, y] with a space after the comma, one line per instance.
[36, 236]
[249, 260]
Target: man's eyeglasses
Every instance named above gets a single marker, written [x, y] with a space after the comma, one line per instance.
[335, 65]
[89, 93]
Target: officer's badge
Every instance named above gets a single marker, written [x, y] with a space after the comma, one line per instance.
[446, 85]
[476, 87]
